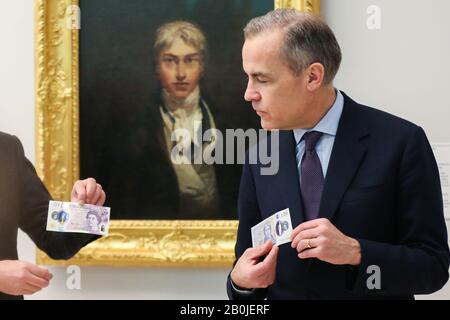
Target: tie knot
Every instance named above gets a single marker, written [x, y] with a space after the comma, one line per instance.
[311, 139]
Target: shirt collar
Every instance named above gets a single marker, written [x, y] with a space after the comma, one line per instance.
[329, 123]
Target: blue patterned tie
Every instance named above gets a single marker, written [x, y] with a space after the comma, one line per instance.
[312, 180]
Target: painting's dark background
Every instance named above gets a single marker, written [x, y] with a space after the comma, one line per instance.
[117, 76]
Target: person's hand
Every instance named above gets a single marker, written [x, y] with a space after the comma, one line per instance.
[322, 240]
[88, 191]
[250, 273]
[20, 277]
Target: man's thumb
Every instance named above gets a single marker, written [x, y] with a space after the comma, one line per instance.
[263, 249]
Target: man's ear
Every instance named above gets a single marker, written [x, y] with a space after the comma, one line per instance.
[316, 74]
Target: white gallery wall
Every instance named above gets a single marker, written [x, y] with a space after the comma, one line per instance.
[402, 68]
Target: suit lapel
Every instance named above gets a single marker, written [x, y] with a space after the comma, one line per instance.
[346, 157]
[288, 180]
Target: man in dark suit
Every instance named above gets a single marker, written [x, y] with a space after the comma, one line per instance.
[24, 204]
[362, 186]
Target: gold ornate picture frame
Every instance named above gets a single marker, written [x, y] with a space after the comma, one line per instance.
[169, 243]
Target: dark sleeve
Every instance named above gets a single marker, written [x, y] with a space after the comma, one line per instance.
[33, 215]
[249, 215]
[418, 263]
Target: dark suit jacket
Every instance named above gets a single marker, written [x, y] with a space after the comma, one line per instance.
[24, 204]
[144, 182]
[382, 187]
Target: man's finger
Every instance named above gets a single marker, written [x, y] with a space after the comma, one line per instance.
[269, 261]
[49, 276]
[97, 194]
[311, 253]
[27, 292]
[79, 193]
[267, 268]
[307, 244]
[260, 251]
[102, 199]
[31, 288]
[39, 272]
[91, 186]
[37, 281]
[305, 226]
[271, 258]
[305, 234]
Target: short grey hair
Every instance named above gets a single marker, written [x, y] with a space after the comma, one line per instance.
[188, 31]
[307, 39]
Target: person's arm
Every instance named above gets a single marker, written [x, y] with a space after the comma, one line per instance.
[419, 262]
[33, 215]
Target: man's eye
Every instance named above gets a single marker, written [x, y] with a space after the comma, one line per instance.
[169, 60]
[190, 60]
[259, 80]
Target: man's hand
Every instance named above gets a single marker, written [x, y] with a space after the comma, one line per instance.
[20, 277]
[322, 240]
[88, 191]
[250, 273]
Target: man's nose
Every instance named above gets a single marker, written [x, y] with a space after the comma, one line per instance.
[251, 95]
[181, 71]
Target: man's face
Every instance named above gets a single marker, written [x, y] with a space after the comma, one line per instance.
[180, 69]
[277, 96]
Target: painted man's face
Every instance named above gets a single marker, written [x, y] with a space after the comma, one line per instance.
[180, 69]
